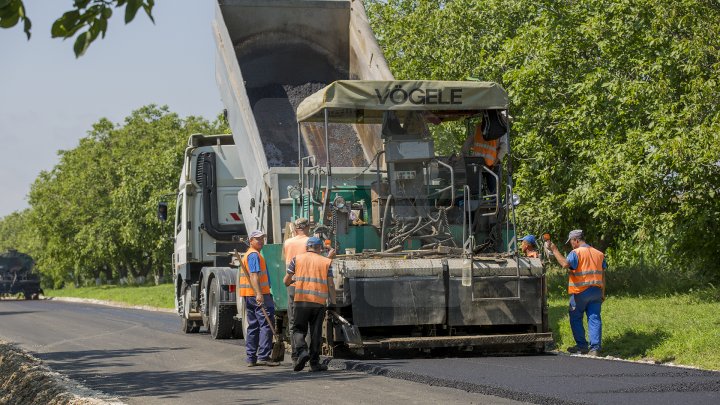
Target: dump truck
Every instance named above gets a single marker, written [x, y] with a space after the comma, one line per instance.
[320, 129]
[17, 276]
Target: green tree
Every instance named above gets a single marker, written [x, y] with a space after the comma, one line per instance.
[615, 107]
[94, 213]
[16, 232]
[86, 21]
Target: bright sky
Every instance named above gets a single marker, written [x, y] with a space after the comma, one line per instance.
[49, 99]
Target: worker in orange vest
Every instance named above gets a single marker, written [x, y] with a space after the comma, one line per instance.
[492, 152]
[255, 290]
[586, 286]
[292, 247]
[314, 288]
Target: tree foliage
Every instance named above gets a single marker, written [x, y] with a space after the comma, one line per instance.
[95, 212]
[86, 21]
[615, 104]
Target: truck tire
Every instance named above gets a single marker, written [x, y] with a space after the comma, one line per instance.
[186, 325]
[220, 317]
[243, 318]
[237, 331]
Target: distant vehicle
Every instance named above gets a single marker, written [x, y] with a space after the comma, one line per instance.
[16, 275]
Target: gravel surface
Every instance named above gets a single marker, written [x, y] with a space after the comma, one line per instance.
[25, 380]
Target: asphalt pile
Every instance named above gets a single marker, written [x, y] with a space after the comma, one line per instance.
[274, 106]
[25, 380]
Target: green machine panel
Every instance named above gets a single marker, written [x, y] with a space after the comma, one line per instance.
[276, 271]
[360, 238]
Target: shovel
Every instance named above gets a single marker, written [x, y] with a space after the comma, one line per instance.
[350, 332]
[278, 348]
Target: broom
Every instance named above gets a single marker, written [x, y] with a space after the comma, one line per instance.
[278, 348]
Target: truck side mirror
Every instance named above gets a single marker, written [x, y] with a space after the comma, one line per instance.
[162, 211]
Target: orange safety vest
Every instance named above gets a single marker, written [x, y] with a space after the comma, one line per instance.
[311, 274]
[589, 271]
[294, 246]
[484, 148]
[244, 285]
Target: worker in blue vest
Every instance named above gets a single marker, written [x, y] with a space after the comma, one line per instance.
[255, 290]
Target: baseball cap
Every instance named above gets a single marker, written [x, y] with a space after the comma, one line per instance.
[314, 241]
[256, 234]
[301, 223]
[529, 239]
[575, 234]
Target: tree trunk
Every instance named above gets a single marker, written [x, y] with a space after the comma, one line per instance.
[108, 273]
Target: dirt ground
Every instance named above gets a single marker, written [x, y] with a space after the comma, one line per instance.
[25, 380]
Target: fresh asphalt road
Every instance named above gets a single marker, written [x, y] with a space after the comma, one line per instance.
[141, 357]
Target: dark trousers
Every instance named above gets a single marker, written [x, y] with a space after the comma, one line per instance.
[258, 341]
[308, 316]
[490, 183]
[291, 310]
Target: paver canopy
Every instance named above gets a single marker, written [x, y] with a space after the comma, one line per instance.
[365, 101]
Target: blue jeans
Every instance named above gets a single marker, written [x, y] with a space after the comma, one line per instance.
[258, 340]
[590, 302]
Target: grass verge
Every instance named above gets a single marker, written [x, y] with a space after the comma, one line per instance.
[649, 314]
[160, 296]
[681, 328]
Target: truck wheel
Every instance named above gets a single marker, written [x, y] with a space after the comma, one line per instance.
[220, 317]
[204, 306]
[186, 325]
[237, 331]
[243, 318]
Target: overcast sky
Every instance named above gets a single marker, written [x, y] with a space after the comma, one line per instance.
[49, 99]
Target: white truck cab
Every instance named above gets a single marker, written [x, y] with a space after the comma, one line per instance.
[208, 225]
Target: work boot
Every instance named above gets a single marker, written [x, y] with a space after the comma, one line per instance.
[253, 364]
[302, 359]
[268, 363]
[577, 350]
[318, 367]
[593, 353]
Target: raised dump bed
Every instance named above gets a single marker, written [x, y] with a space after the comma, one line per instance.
[270, 56]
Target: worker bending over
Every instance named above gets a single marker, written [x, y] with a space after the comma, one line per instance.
[314, 287]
